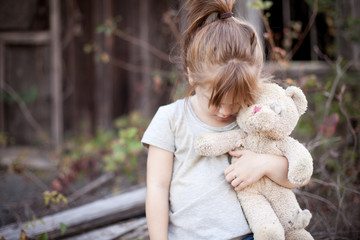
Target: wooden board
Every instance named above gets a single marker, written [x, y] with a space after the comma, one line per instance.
[111, 232]
[90, 216]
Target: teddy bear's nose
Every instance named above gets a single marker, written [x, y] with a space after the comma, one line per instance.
[256, 109]
[277, 107]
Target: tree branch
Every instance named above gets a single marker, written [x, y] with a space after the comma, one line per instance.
[25, 111]
[305, 32]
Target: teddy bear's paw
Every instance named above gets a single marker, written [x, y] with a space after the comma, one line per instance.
[204, 146]
[299, 234]
[301, 220]
[297, 175]
[270, 232]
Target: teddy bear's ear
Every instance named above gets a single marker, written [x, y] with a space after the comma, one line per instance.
[298, 97]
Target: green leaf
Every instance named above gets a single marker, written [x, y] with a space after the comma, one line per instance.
[134, 145]
[117, 148]
[108, 31]
[132, 132]
[133, 161]
[30, 94]
[43, 236]
[63, 228]
[42, 221]
[120, 156]
[110, 166]
[47, 200]
[260, 5]
[27, 225]
[267, 4]
[100, 28]
[88, 48]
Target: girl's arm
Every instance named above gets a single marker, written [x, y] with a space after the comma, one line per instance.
[159, 172]
[253, 166]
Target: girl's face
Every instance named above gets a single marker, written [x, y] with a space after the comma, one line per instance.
[211, 115]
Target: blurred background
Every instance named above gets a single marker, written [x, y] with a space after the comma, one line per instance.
[80, 81]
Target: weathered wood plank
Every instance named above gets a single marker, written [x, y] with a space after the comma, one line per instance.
[140, 233]
[36, 38]
[111, 232]
[83, 218]
[297, 69]
[56, 74]
[2, 85]
[91, 186]
[28, 157]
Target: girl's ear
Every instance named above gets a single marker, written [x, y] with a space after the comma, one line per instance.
[190, 78]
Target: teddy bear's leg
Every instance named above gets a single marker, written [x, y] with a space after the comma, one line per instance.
[302, 219]
[261, 217]
[286, 207]
[298, 234]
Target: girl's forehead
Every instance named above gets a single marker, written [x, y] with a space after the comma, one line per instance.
[228, 98]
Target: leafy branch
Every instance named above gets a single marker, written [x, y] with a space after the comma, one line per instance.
[26, 112]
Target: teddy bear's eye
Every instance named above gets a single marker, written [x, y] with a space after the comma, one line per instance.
[277, 107]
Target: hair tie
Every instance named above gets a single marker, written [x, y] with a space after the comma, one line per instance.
[226, 15]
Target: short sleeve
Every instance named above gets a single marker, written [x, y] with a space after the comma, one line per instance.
[159, 132]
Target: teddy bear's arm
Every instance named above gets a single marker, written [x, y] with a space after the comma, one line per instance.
[215, 144]
[300, 161]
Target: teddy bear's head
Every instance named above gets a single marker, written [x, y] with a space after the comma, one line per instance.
[275, 113]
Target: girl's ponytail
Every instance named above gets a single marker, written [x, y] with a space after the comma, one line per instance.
[198, 13]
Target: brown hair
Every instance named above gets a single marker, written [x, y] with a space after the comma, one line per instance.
[223, 52]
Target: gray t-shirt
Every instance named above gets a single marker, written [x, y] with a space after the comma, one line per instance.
[202, 204]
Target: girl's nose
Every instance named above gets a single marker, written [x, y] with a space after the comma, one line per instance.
[225, 110]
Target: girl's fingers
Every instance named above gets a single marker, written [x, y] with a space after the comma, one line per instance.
[240, 186]
[237, 153]
[228, 170]
[236, 182]
[230, 176]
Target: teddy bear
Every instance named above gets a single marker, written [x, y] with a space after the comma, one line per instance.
[272, 211]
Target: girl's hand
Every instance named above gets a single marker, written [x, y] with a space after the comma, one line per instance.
[248, 169]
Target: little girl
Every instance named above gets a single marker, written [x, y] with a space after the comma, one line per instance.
[191, 196]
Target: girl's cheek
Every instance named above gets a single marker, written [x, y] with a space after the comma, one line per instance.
[213, 109]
